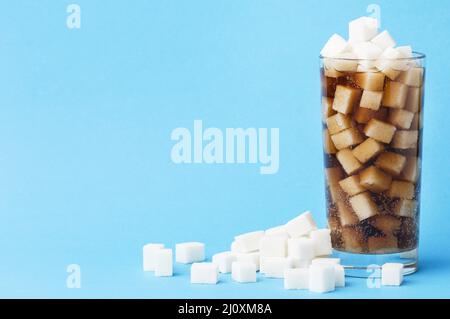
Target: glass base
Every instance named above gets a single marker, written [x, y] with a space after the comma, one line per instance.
[367, 265]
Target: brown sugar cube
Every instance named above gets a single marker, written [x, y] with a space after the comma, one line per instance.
[363, 115]
[347, 216]
[410, 172]
[392, 74]
[345, 98]
[333, 73]
[406, 208]
[351, 185]
[405, 139]
[328, 145]
[382, 244]
[412, 77]
[338, 123]
[353, 239]
[416, 123]
[391, 163]
[364, 206]
[395, 95]
[413, 99]
[327, 108]
[348, 161]
[401, 118]
[387, 224]
[401, 189]
[371, 100]
[367, 150]
[380, 131]
[374, 179]
[347, 138]
[370, 81]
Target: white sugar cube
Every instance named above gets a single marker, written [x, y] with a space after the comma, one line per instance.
[296, 278]
[339, 276]
[149, 255]
[236, 248]
[243, 272]
[164, 263]
[204, 273]
[249, 242]
[191, 252]
[296, 262]
[392, 274]
[334, 46]
[322, 278]
[273, 246]
[302, 248]
[367, 50]
[274, 266]
[322, 242]
[224, 260]
[362, 29]
[301, 225]
[329, 261]
[277, 231]
[252, 257]
[384, 40]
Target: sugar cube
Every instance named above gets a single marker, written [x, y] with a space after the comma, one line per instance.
[322, 278]
[401, 118]
[273, 246]
[338, 123]
[328, 144]
[405, 139]
[351, 185]
[384, 40]
[296, 278]
[236, 248]
[277, 231]
[382, 244]
[367, 150]
[412, 77]
[344, 62]
[253, 257]
[149, 256]
[366, 51]
[301, 248]
[348, 161]
[299, 263]
[363, 205]
[204, 273]
[164, 262]
[387, 224]
[339, 276]
[333, 261]
[331, 72]
[391, 163]
[322, 242]
[274, 266]
[395, 95]
[391, 73]
[371, 100]
[347, 216]
[191, 252]
[416, 122]
[363, 115]
[249, 242]
[347, 138]
[413, 99]
[406, 208]
[334, 174]
[345, 99]
[380, 131]
[374, 179]
[362, 29]
[353, 239]
[401, 189]
[301, 225]
[334, 46]
[224, 260]
[243, 272]
[392, 274]
[327, 108]
[370, 81]
[410, 172]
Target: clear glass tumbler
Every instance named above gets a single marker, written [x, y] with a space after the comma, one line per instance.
[372, 138]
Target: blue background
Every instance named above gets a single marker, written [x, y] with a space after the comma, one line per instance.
[85, 122]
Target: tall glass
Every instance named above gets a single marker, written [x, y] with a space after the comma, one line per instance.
[372, 138]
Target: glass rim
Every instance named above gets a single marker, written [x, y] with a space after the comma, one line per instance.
[416, 56]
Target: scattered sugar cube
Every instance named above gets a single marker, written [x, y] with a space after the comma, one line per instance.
[334, 46]
[362, 29]
[395, 95]
[401, 118]
[364, 206]
[274, 266]
[149, 256]
[412, 77]
[367, 150]
[249, 242]
[204, 273]
[298, 263]
[410, 172]
[322, 242]
[352, 186]
[370, 81]
[224, 260]
[296, 278]
[384, 244]
[346, 214]
[401, 189]
[347, 138]
[164, 262]
[322, 278]
[384, 40]
[392, 274]
[253, 257]
[301, 248]
[339, 276]
[277, 231]
[363, 115]
[328, 144]
[380, 131]
[243, 272]
[301, 225]
[333, 261]
[273, 246]
[345, 98]
[371, 100]
[353, 240]
[391, 163]
[406, 208]
[405, 139]
[187, 253]
[348, 161]
[338, 122]
[413, 99]
[374, 179]
[236, 248]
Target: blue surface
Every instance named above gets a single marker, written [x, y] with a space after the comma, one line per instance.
[85, 122]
